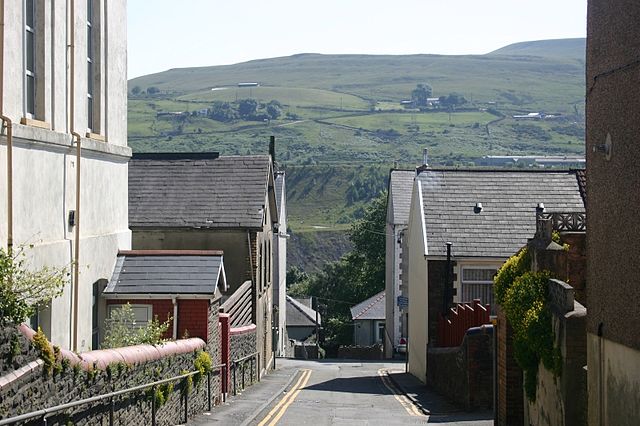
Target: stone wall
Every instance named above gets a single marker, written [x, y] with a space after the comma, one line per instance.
[464, 374]
[243, 344]
[36, 389]
[562, 400]
[360, 352]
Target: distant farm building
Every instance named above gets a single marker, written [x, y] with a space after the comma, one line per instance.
[248, 84]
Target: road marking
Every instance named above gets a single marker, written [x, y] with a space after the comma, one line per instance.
[285, 402]
[406, 403]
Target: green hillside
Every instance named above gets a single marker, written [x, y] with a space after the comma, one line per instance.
[567, 48]
[340, 124]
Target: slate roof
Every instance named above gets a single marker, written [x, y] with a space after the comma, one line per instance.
[509, 199]
[400, 188]
[581, 174]
[299, 315]
[197, 190]
[371, 309]
[170, 272]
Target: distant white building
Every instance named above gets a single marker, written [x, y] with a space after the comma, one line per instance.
[63, 100]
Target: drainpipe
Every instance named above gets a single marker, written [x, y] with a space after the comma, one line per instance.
[76, 135]
[175, 318]
[6, 122]
[76, 260]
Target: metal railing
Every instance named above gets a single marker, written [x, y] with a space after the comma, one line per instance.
[255, 361]
[44, 413]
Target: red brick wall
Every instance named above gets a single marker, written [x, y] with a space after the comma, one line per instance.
[577, 264]
[193, 318]
[510, 405]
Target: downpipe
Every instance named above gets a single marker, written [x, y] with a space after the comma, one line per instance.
[76, 252]
[7, 123]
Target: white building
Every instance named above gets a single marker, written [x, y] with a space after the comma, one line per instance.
[63, 88]
[398, 201]
[280, 264]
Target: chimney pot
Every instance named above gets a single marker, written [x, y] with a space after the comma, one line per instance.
[425, 157]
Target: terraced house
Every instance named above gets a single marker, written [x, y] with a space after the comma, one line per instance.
[482, 217]
[203, 201]
[63, 147]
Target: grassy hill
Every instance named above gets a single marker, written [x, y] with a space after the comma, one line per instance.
[342, 125]
[573, 48]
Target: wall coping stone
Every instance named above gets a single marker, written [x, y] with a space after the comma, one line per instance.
[101, 358]
[242, 330]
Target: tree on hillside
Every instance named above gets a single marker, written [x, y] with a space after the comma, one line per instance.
[247, 108]
[420, 94]
[136, 90]
[153, 90]
[222, 111]
[274, 109]
[452, 101]
[356, 276]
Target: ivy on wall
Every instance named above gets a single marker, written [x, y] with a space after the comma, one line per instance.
[523, 296]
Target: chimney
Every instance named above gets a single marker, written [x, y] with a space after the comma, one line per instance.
[425, 157]
[272, 148]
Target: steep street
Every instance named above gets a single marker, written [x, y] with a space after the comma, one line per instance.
[340, 392]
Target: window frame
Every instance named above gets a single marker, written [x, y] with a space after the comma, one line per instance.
[30, 75]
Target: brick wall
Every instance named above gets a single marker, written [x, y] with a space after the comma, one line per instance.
[193, 318]
[464, 374]
[436, 271]
[577, 263]
[36, 390]
[510, 404]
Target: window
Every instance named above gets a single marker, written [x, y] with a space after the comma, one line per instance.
[143, 314]
[477, 283]
[380, 331]
[91, 63]
[30, 58]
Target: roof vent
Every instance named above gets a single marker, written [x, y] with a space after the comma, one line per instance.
[425, 157]
[477, 208]
[540, 208]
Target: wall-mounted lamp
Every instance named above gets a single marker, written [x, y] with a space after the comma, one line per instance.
[477, 208]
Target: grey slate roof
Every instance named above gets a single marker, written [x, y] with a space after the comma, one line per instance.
[167, 272]
[299, 315]
[509, 199]
[400, 187]
[195, 190]
[371, 309]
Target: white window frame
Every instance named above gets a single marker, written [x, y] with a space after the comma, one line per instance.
[30, 73]
[489, 283]
[137, 324]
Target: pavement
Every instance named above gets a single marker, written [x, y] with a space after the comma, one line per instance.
[339, 392]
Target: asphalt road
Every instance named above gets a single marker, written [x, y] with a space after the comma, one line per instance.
[337, 392]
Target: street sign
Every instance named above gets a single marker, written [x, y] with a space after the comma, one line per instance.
[403, 301]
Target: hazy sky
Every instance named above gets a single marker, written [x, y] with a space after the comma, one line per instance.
[167, 34]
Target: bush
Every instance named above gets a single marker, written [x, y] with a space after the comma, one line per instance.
[23, 290]
[121, 329]
[523, 296]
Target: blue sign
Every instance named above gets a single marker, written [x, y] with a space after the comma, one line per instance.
[403, 301]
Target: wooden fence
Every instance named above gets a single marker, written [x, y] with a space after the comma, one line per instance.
[238, 306]
[452, 328]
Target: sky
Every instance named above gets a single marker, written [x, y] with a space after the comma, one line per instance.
[164, 34]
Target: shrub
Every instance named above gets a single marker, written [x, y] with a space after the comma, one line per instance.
[523, 295]
[121, 329]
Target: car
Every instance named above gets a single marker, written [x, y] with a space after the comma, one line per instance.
[401, 348]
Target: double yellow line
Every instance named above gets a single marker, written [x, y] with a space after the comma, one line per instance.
[406, 403]
[278, 411]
